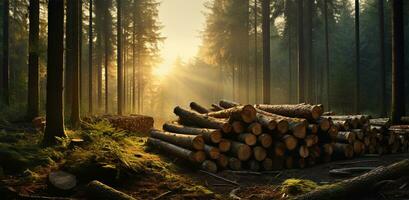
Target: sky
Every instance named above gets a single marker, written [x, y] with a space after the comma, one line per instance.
[183, 20]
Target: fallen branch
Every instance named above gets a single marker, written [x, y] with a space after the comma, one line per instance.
[359, 185]
[220, 178]
[99, 190]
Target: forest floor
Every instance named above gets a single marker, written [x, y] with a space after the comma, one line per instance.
[122, 160]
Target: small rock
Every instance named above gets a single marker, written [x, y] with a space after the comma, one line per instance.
[62, 180]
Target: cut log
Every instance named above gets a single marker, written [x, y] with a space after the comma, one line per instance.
[301, 163]
[279, 149]
[246, 113]
[216, 107]
[359, 134]
[62, 181]
[267, 164]
[193, 142]
[281, 122]
[290, 142]
[227, 104]
[299, 129]
[306, 111]
[201, 120]
[238, 127]
[234, 164]
[309, 140]
[303, 151]
[359, 147]
[223, 161]
[289, 162]
[265, 140]
[209, 135]
[346, 137]
[333, 132]
[269, 122]
[259, 153]
[98, 190]
[212, 152]
[224, 145]
[343, 125]
[198, 108]
[361, 185]
[209, 166]
[324, 123]
[247, 138]
[240, 150]
[343, 150]
[384, 122]
[313, 128]
[196, 157]
[255, 128]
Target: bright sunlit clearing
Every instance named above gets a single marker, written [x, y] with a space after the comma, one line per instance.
[162, 71]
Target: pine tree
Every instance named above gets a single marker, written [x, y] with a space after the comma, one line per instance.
[33, 74]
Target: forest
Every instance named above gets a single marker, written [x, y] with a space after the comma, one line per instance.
[254, 99]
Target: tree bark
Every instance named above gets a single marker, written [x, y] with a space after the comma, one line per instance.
[202, 121]
[306, 111]
[198, 108]
[245, 113]
[241, 151]
[359, 185]
[193, 142]
[301, 64]
[382, 57]
[55, 52]
[119, 59]
[73, 60]
[5, 75]
[33, 68]
[210, 135]
[398, 62]
[226, 104]
[90, 68]
[266, 50]
[358, 57]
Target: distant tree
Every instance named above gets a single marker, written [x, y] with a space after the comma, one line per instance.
[119, 58]
[326, 74]
[398, 66]
[54, 108]
[301, 65]
[382, 56]
[266, 50]
[308, 51]
[256, 89]
[99, 19]
[73, 59]
[33, 68]
[5, 72]
[90, 67]
[358, 57]
[107, 33]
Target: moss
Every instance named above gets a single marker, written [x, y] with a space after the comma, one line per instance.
[293, 187]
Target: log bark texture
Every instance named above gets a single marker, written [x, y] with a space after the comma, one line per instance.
[98, 190]
[306, 111]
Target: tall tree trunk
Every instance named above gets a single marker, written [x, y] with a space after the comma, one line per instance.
[81, 84]
[398, 66]
[326, 74]
[256, 51]
[119, 58]
[358, 57]
[266, 50]
[99, 67]
[133, 62]
[289, 31]
[106, 55]
[309, 76]
[247, 52]
[33, 70]
[382, 56]
[90, 70]
[301, 74]
[73, 59]
[4, 90]
[55, 53]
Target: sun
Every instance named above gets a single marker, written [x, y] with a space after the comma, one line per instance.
[162, 71]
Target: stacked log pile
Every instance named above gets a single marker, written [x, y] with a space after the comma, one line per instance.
[271, 137]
